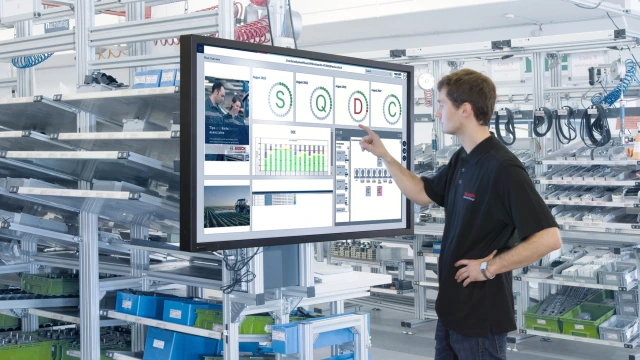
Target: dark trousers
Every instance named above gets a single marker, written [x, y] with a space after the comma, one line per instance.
[453, 346]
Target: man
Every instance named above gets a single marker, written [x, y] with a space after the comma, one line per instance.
[489, 200]
[213, 104]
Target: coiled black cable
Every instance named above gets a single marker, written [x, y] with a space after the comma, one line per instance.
[571, 128]
[509, 127]
[600, 127]
[539, 121]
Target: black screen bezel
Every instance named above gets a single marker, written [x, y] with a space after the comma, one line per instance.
[188, 145]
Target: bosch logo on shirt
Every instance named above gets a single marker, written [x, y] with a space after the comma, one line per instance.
[470, 196]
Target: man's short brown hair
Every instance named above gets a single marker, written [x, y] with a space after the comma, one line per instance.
[469, 86]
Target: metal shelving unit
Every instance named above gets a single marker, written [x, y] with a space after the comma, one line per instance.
[129, 137]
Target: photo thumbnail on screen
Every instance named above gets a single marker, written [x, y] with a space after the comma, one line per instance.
[227, 206]
[226, 119]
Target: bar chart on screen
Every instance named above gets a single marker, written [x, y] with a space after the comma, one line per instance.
[287, 157]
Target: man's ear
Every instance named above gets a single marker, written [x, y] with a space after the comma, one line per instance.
[466, 109]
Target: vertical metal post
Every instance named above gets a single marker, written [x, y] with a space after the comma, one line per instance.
[231, 335]
[84, 51]
[139, 263]
[305, 342]
[135, 11]
[319, 252]
[437, 74]
[538, 92]
[84, 54]
[336, 308]
[538, 101]
[29, 246]
[89, 287]
[555, 72]
[419, 275]
[256, 265]
[361, 339]
[226, 19]
[306, 269]
[25, 76]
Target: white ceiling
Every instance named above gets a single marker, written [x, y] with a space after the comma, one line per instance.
[443, 21]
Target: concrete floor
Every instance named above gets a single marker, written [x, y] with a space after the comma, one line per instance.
[389, 343]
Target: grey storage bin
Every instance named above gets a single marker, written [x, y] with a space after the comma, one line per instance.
[619, 328]
[618, 274]
[627, 309]
[630, 296]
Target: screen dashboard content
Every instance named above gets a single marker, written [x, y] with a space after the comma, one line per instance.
[280, 146]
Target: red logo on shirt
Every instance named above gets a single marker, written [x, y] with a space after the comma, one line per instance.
[470, 196]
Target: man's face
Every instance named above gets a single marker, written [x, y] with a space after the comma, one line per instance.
[218, 96]
[449, 116]
[236, 107]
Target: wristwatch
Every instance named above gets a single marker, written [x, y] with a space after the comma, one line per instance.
[483, 269]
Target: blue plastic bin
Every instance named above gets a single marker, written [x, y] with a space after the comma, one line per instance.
[285, 337]
[168, 77]
[437, 245]
[148, 306]
[168, 345]
[147, 79]
[183, 312]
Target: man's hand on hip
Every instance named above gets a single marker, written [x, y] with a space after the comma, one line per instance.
[373, 144]
[471, 270]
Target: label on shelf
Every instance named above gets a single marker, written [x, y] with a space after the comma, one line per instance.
[629, 309]
[541, 322]
[126, 304]
[278, 336]
[175, 314]
[612, 336]
[563, 112]
[579, 327]
[160, 324]
[592, 111]
[158, 344]
[73, 353]
[611, 277]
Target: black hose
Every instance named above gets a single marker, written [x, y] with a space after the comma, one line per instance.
[600, 127]
[571, 129]
[509, 127]
[539, 121]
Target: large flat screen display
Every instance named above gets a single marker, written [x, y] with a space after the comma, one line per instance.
[270, 150]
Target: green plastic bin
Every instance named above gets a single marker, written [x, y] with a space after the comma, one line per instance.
[207, 318]
[252, 325]
[9, 323]
[42, 284]
[35, 351]
[538, 322]
[586, 328]
[603, 297]
[103, 351]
